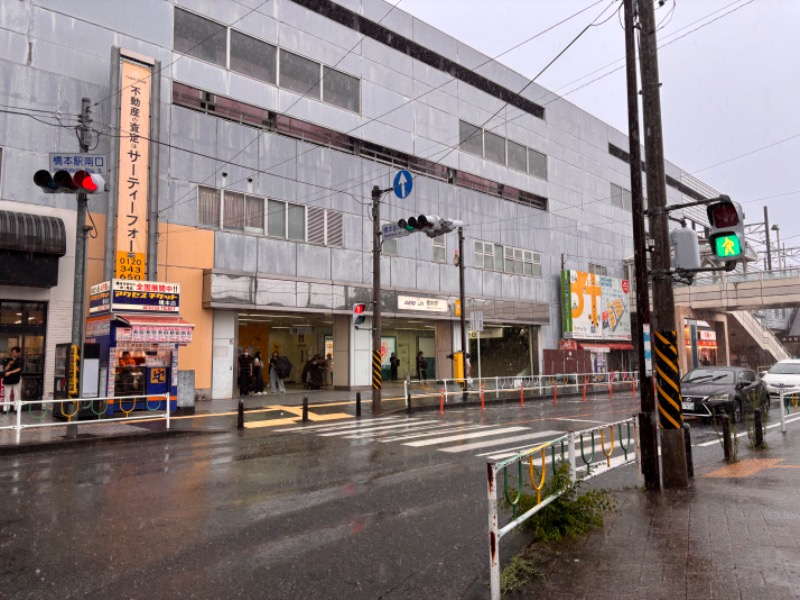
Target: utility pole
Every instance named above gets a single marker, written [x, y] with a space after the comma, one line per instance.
[377, 362]
[673, 449]
[648, 432]
[768, 255]
[465, 393]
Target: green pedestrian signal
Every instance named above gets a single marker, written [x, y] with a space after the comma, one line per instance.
[727, 246]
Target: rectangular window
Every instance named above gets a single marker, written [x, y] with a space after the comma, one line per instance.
[537, 164]
[517, 156]
[498, 257]
[627, 200]
[440, 249]
[276, 218]
[208, 206]
[616, 196]
[233, 213]
[300, 75]
[254, 214]
[478, 255]
[598, 270]
[296, 222]
[341, 90]
[470, 138]
[495, 147]
[253, 57]
[199, 37]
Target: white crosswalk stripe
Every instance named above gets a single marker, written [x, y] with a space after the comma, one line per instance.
[453, 437]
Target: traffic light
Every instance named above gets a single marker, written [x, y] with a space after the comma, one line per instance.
[64, 182]
[358, 314]
[726, 235]
[420, 223]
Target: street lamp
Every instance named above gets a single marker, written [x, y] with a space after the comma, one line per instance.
[776, 228]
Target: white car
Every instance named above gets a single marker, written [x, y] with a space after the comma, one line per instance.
[783, 377]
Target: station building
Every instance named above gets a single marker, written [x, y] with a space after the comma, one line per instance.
[270, 124]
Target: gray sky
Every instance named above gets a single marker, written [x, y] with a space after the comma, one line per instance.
[728, 89]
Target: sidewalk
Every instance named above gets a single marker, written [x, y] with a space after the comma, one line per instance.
[734, 533]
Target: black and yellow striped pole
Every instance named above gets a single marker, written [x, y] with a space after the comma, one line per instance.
[668, 380]
[377, 375]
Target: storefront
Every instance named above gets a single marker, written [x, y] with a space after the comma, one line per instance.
[24, 324]
[700, 343]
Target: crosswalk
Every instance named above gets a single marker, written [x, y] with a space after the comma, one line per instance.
[452, 437]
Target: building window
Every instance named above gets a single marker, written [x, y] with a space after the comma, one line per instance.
[537, 164]
[517, 156]
[621, 198]
[494, 147]
[276, 219]
[470, 138]
[296, 222]
[440, 249]
[233, 212]
[254, 214]
[253, 57]
[341, 90]
[199, 37]
[598, 270]
[494, 257]
[532, 263]
[300, 75]
[208, 206]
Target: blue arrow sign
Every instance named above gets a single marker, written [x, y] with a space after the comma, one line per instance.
[403, 182]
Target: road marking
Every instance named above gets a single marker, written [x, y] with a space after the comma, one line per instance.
[411, 428]
[355, 424]
[370, 430]
[446, 429]
[464, 436]
[498, 442]
[580, 420]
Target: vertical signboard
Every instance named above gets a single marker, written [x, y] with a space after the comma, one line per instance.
[595, 306]
[134, 162]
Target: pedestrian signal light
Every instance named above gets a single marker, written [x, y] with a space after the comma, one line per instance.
[726, 232]
[358, 314]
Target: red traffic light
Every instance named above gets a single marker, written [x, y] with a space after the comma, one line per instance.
[723, 214]
[89, 182]
[64, 182]
[359, 309]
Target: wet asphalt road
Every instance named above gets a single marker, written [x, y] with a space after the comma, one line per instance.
[264, 513]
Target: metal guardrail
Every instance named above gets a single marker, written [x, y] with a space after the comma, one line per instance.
[532, 385]
[569, 447]
[72, 406]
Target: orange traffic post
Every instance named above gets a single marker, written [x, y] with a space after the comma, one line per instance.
[483, 403]
[633, 385]
[555, 393]
[441, 403]
[521, 395]
[585, 383]
[610, 388]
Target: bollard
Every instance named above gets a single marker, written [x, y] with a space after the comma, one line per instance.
[687, 439]
[521, 395]
[633, 386]
[358, 404]
[441, 403]
[555, 394]
[305, 409]
[585, 383]
[759, 429]
[610, 388]
[408, 402]
[483, 401]
[726, 437]
[240, 417]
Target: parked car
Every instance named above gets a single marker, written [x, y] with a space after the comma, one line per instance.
[783, 376]
[709, 391]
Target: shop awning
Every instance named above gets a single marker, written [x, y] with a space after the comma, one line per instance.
[23, 232]
[154, 329]
[605, 347]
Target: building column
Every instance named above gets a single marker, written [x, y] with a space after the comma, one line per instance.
[352, 353]
[723, 346]
[223, 362]
[446, 332]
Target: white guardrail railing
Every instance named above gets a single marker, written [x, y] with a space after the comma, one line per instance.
[571, 448]
[535, 385]
[38, 418]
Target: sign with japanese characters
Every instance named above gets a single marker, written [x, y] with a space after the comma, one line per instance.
[170, 334]
[145, 296]
[134, 159]
[595, 306]
[73, 162]
[423, 304]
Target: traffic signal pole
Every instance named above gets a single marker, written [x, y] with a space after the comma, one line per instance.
[673, 449]
[648, 433]
[377, 361]
[465, 393]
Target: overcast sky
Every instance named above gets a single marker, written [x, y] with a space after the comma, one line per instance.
[728, 89]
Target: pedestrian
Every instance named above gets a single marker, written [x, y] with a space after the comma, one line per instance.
[245, 371]
[329, 369]
[126, 360]
[279, 369]
[394, 362]
[12, 379]
[422, 366]
[258, 374]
